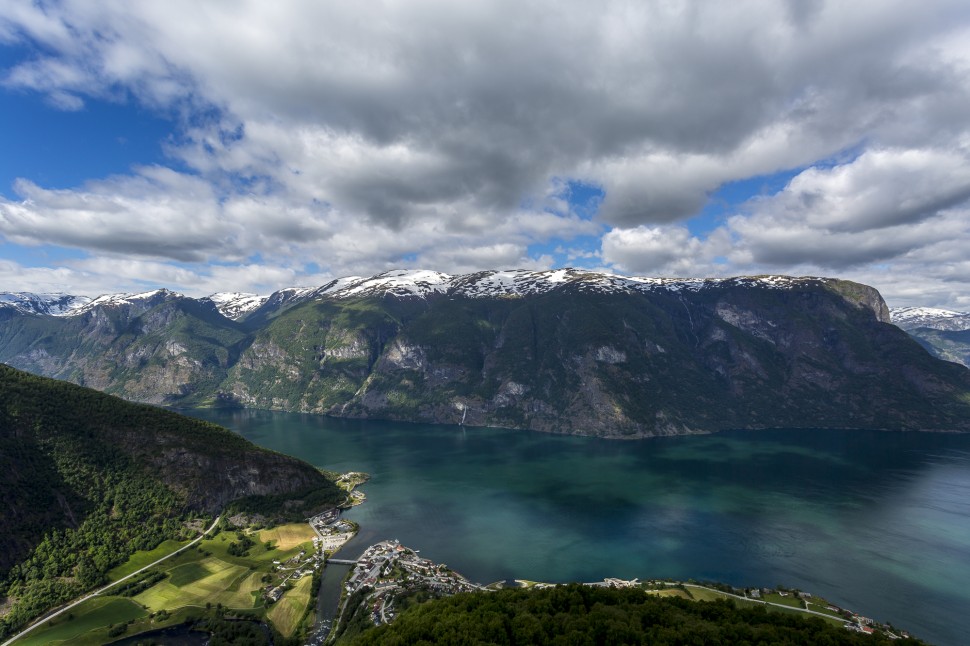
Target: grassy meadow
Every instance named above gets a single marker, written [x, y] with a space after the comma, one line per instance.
[197, 583]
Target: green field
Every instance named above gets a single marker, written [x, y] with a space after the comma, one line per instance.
[187, 573]
[705, 594]
[789, 600]
[286, 537]
[199, 580]
[793, 603]
[89, 624]
[210, 580]
[287, 612]
[140, 559]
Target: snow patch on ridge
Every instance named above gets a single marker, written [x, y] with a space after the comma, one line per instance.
[235, 305]
[402, 283]
[910, 318]
[398, 282]
[519, 282]
[53, 304]
[116, 300]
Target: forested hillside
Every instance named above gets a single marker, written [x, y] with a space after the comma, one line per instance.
[87, 479]
[578, 614]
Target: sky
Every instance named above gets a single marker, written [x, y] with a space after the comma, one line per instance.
[245, 145]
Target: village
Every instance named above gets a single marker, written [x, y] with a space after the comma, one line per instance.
[388, 569]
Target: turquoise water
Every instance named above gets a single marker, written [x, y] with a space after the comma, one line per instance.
[877, 522]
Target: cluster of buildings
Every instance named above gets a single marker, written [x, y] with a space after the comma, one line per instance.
[388, 569]
[293, 568]
[331, 531]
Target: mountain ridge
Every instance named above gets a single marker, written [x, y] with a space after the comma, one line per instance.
[423, 283]
[565, 351]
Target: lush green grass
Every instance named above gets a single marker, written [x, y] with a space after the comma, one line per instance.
[142, 558]
[219, 583]
[207, 576]
[670, 592]
[286, 537]
[287, 612]
[790, 600]
[93, 615]
[187, 573]
[704, 594]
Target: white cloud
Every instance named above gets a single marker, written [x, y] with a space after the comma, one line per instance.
[359, 136]
[881, 206]
[663, 251]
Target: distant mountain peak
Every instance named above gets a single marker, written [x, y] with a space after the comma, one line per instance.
[235, 305]
[911, 318]
[51, 304]
[117, 300]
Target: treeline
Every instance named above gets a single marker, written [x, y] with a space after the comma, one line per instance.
[577, 614]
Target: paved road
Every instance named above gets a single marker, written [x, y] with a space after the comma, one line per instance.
[767, 603]
[62, 610]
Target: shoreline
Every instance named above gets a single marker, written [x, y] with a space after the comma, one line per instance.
[383, 594]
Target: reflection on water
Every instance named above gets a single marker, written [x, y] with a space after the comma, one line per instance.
[879, 522]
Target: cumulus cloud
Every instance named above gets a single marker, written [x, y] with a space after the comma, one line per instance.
[358, 136]
[670, 251]
[882, 205]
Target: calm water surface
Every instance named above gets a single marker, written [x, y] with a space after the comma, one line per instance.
[878, 522]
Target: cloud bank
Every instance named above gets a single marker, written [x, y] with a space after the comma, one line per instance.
[330, 138]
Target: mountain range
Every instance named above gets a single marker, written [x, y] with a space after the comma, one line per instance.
[567, 350]
[945, 333]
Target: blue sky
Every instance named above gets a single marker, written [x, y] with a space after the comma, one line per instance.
[264, 145]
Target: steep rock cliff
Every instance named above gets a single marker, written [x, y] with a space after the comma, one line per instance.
[563, 351]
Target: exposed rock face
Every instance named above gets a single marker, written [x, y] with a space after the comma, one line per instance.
[563, 351]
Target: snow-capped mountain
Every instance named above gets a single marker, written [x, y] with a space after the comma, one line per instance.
[117, 300]
[48, 304]
[911, 318]
[520, 282]
[403, 283]
[565, 350]
[235, 305]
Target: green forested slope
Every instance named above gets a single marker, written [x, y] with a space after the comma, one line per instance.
[87, 479]
[579, 614]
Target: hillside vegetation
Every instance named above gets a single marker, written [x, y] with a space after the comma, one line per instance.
[577, 614]
[88, 479]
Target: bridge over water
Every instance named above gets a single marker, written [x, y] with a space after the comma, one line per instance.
[342, 561]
